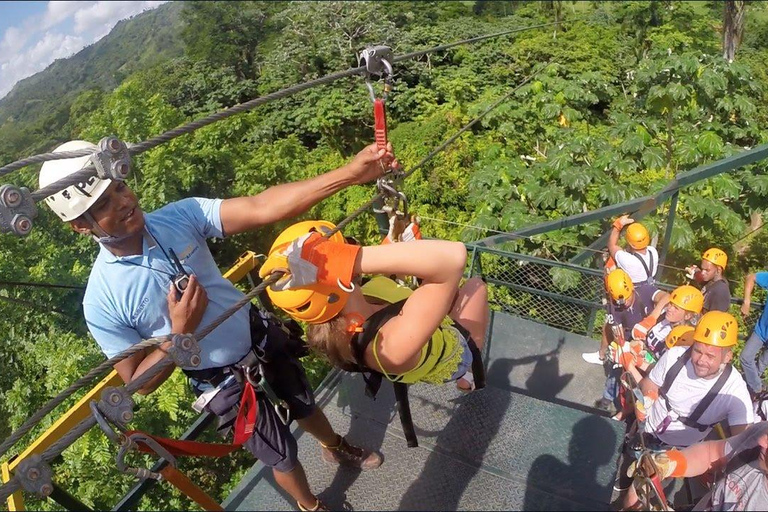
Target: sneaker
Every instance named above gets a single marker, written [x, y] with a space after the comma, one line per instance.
[592, 357]
[349, 455]
[603, 404]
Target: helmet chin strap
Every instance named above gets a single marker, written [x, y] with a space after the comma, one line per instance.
[100, 235]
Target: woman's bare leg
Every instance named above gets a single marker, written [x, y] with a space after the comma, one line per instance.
[472, 312]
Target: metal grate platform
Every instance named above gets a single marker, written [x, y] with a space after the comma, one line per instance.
[497, 449]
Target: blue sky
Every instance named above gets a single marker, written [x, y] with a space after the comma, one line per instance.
[34, 34]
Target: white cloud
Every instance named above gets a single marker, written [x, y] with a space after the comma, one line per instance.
[63, 30]
[14, 39]
[56, 12]
[102, 16]
[52, 46]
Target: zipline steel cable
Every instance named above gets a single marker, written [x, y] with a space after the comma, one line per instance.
[57, 448]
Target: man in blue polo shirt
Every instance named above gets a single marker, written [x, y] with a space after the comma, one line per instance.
[753, 369]
[155, 275]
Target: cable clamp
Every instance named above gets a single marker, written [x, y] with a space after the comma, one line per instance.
[112, 160]
[35, 476]
[117, 405]
[17, 209]
[185, 351]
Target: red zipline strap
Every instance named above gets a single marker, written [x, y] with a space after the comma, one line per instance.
[179, 448]
[245, 423]
[244, 427]
[380, 123]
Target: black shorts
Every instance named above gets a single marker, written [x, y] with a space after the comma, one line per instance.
[272, 441]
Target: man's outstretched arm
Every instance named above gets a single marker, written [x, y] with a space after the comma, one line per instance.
[290, 199]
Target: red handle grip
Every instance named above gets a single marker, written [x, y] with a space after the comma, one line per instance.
[380, 124]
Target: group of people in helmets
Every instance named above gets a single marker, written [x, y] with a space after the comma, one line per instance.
[668, 362]
[677, 346]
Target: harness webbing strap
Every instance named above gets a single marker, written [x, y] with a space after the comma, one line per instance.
[404, 411]
[189, 488]
[179, 448]
[648, 273]
[693, 420]
[362, 339]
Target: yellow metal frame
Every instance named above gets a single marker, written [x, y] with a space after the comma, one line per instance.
[245, 263]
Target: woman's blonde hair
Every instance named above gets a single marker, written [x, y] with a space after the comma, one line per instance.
[331, 339]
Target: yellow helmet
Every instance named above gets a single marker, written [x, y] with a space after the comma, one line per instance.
[718, 329]
[716, 257]
[317, 303]
[688, 298]
[637, 236]
[680, 336]
[619, 286]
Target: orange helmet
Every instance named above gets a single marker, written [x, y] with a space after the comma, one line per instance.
[680, 336]
[688, 298]
[637, 236]
[619, 286]
[718, 329]
[716, 257]
[317, 303]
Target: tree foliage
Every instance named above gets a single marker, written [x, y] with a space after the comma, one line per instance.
[629, 95]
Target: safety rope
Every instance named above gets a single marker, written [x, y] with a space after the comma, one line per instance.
[57, 448]
[42, 285]
[33, 305]
[141, 147]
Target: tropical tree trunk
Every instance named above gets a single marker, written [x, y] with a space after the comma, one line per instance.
[733, 27]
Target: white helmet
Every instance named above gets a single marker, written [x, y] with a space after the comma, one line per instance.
[74, 200]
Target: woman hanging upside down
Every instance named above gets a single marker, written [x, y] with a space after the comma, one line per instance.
[425, 335]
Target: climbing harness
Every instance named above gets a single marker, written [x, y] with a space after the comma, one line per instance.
[646, 477]
[691, 421]
[366, 335]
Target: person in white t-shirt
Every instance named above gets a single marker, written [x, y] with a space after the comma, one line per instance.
[640, 261]
[692, 389]
[739, 465]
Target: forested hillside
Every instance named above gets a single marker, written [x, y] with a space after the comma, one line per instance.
[632, 94]
[35, 113]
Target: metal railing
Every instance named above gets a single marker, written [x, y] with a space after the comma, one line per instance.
[560, 294]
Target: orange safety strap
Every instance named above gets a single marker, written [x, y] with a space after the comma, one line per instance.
[188, 488]
[245, 422]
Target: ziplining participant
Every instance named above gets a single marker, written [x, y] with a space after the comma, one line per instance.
[426, 335]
